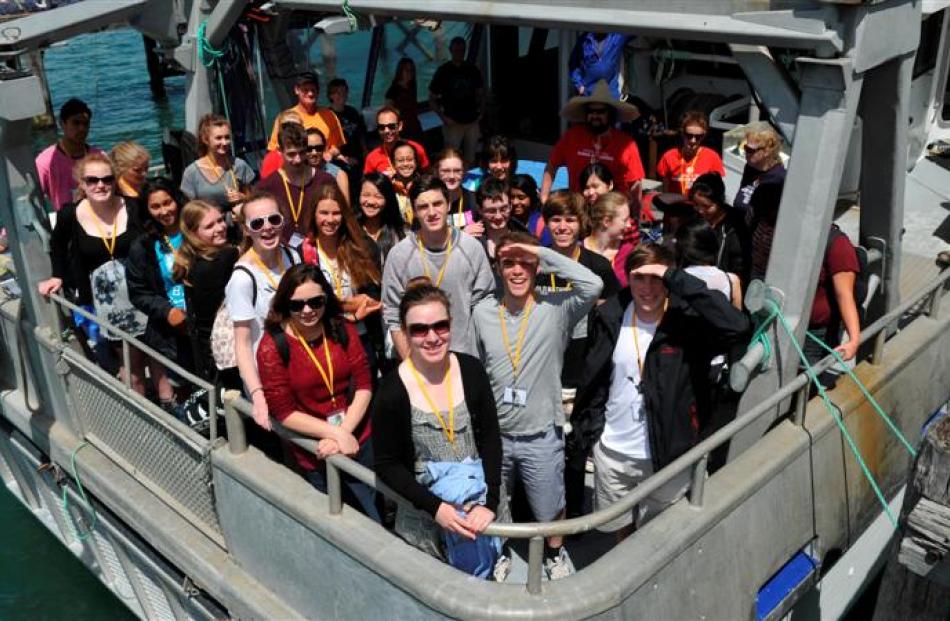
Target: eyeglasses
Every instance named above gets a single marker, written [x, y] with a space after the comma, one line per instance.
[317, 148]
[91, 180]
[697, 137]
[315, 303]
[420, 330]
[388, 126]
[276, 220]
[496, 211]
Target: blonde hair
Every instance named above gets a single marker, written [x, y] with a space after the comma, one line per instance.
[192, 248]
[767, 137]
[289, 116]
[126, 155]
[205, 125]
[606, 206]
[79, 169]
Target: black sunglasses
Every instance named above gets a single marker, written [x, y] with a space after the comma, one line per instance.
[315, 303]
[319, 148]
[419, 330]
[91, 180]
[389, 126]
[256, 224]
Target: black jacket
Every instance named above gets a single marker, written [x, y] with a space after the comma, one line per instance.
[699, 323]
[735, 245]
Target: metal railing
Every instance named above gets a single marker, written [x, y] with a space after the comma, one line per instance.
[695, 459]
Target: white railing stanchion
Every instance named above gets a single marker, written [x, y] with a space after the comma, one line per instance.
[535, 564]
[697, 485]
[237, 438]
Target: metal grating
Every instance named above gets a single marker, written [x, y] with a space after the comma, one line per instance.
[156, 596]
[175, 467]
[112, 568]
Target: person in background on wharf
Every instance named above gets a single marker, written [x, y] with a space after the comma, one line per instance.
[215, 176]
[389, 126]
[521, 341]
[316, 380]
[498, 159]
[352, 123]
[55, 164]
[457, 94]
[316, 147]
[648, 393]
[451, 259]
[734, 248]
[437, 406]
[450, 168]
[379, 213]
[402, 94]
[294, 186]
[307, 90]
[566, 218]
[595, 139]
[681, 166]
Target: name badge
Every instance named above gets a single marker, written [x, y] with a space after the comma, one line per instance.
[336, 418]
[458, 220]
[296, 239]
[515, 395]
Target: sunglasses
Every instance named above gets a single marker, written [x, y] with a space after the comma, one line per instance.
[91, 180]
[316, 148]
[689, 136]
[420, 330]
[751, 149]
[315, 303]
[256, 224]
[388, 126]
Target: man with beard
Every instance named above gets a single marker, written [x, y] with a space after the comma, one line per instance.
[595, 139]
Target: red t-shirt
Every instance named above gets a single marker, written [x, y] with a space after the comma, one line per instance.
[678, 175]
[578, 147]
[299, 387]
[378, 160]
[271, 163]
[840, 257]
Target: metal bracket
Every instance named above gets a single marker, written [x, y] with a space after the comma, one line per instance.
[740, 373]
[877, 252]
[757, 294]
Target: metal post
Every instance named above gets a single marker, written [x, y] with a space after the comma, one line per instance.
[933, 304]
[126, 364]
[877, 354]
[237, 440]
[334, 489]
[801, 403]
[535, 561]
[213, 413]
[698, 484]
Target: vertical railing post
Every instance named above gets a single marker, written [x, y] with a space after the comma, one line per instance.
[535, 562]
[933, 304]
[126, 364]
[237, 440]
[213, 413]
[334, 488]
[877, 354]
[697, 485]
[801, 403]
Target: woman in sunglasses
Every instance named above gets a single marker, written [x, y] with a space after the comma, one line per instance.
[437, 407]
[336, 244]
[316, 379]
[89, 244]
[216, 176]
[316, 147]
[763, 157]
[252, 285]
[681, 165]
[204, 263]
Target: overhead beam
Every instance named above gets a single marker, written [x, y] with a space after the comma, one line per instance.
[41, 30]
[771, 84]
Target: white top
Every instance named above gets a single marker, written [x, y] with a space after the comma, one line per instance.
[240, 291]
[715, 278]
[625, 430]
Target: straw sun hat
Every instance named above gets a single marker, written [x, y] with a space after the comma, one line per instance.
[574, 109]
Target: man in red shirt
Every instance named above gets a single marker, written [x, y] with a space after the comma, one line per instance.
[389, 125]
[595, 139]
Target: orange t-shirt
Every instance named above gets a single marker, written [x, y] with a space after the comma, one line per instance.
[323, 119]
[578, 147]
[678, 175]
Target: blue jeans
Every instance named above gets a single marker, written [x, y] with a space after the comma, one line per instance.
[355, 493]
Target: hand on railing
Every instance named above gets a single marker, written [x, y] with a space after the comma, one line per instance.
[259, 412]
[50, 285]
[480, 517]
[327, 447]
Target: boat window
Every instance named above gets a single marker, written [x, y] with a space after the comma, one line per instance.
[926, 59]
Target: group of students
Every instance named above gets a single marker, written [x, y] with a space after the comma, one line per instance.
[418, 323]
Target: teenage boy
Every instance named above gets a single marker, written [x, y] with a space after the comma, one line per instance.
[521, 340]
[55, 164]
[389, 125]
[449, 258]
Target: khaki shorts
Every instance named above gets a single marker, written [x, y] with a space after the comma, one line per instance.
[538, 461]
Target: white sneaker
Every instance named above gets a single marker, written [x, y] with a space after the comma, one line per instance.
[560, 566]
[502, 568]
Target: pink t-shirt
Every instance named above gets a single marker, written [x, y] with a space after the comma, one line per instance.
[55, 170]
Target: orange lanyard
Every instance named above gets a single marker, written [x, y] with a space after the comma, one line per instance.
[327, 377]
[515, 357]
[295, 213]
[220, 172]
[448, 430]
[110, 241]
[570, 284]
[425, 262]
[687, 169]
[334, 273]
[265, 269]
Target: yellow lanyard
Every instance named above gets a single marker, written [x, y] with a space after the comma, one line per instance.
[295, 214]
[220, 172]
[460, 212]
[636, 340]
[515, 357]
[687, 169]
[327, 378]
[337, 280]
[265, 269]
[425, 262]
[448, 430]
[570, 284]
[108, 242]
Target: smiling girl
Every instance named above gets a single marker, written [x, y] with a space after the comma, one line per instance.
[216, 176]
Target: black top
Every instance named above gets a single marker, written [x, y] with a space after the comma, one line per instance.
[147, 293]
[354, 130]
[392, 435]
[456, 87]
[753, 177]
[74, 253]
[735, 244]
[204, 293]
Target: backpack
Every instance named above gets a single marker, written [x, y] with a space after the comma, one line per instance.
[861, 284]
[222, 331]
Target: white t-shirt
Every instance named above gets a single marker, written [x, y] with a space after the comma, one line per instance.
[239, 293]
[717, 280]
[625, 430]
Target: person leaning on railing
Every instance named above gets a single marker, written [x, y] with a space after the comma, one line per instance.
[648, 392]
[316, 379]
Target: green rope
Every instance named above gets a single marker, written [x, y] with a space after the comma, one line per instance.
[210, 58]
[867, 395]
[834, 411]
[82, 494]
[350, 16]
[760, 336]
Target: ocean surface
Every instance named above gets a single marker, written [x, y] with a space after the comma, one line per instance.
[39, 578]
